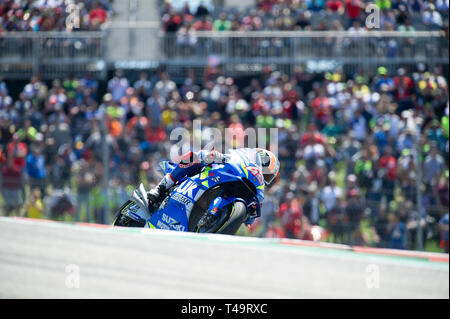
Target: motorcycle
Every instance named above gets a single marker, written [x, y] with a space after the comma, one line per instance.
[237, 181]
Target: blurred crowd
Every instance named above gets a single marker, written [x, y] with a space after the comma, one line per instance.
[350, 146]
[288, 15]
[53, 15]
[354, 171]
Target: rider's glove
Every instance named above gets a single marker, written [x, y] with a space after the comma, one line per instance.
[209, 157]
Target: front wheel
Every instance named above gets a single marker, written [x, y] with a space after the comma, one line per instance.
[237, 217]
[231, 218]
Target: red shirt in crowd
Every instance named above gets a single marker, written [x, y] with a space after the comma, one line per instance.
[260, 105]
[291, 215]
[290, 103]
[19, 152]
[11, 177]
[322, 108]
[312, 138]
[334, 5]
[98, 14]
[353, 8]
[265, 5]
[390, 164]
[203, 26]
[403, 87]
[155, 135]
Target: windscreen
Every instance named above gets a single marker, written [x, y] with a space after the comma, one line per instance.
[248, 155]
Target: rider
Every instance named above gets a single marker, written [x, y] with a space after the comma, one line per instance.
[192, 163]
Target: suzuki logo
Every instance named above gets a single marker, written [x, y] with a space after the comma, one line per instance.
[186, 188]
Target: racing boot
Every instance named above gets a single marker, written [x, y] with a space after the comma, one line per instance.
[157, 194]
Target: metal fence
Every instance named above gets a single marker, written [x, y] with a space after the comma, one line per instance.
[239, 51]
[51, 54]
[54, 54]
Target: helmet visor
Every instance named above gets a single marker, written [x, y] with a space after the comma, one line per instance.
[268, 178]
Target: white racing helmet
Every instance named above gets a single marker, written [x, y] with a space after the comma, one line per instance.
[270, 165]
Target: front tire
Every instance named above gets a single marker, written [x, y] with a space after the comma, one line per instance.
[237, 216]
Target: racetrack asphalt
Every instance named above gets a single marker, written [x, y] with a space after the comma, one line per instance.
[61, 260]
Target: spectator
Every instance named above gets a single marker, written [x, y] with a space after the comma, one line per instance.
[443, 227]
[84, 180]
[383, 4]
[60, 170]
[337, 221]
[353, 9]
[407, 171]
[433, 166]
[165, 86]
[3, 86]
[388, 165]
[381, 228]
[290, 214]
[315, 5]
[12, 187]
[331, 193]
[204, 24]
[36, 170]
[403, 89]
[118, 85]
[397, 232]
[186, 37]
[143, 86]
[172, 22]
[431, 17]
[311, 206]
[335, 6]
[18, 151]
[97, 16]
[354, 209]
[222, 24]
[35, 206]
[303, 21]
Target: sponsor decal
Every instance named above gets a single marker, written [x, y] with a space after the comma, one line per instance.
[182, 199]
[186, 165]
[256, 172]
[215, 179]
[172, 223]
[187, 188]
[161, 225]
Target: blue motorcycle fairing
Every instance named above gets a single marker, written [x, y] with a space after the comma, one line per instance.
[221, 202]
[175, 215]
